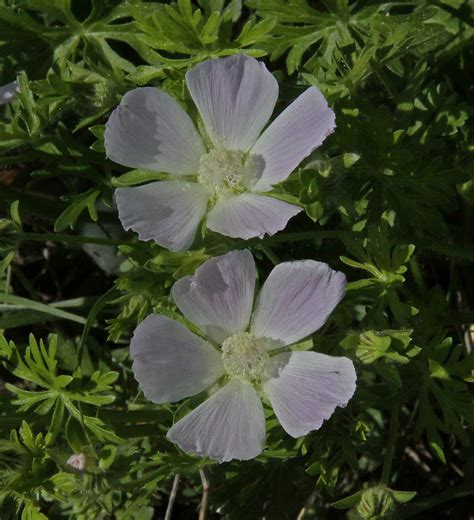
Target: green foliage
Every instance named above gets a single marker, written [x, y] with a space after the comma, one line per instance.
[10, 230]
[62, 393]
[388, 200]
[80, 202]
[375, 503]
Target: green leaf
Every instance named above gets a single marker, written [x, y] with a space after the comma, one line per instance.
[107, 456]
[41, 307]
[402, 497]
[75, 436]
[66, 482]
[135, 177]
[349, 501]
[390, 345]
[79, 203]
[30, 113]
[56, 420]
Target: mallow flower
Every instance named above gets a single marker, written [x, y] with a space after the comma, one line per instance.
[8, 92]
[240, 355]
[225, 174]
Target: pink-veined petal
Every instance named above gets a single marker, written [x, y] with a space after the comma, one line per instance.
[235, 97]
[294, 134]
[305, 388]
[167, 212]
[150, 130]
[170, 362]
[218, 298]
[250, 215]
[295, 301]
[229, 425]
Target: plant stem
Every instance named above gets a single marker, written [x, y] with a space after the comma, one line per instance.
[268, 252]
[308, 505]
[205, 495]
[172, 498]
[57, 237]
[392, 439]
[8, 280]
[306, 235]
[94, 311]
[40, 307]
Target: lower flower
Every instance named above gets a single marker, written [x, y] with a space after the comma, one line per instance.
[304, 388]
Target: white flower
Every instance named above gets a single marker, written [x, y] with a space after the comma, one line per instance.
[77, 461]
[8, 92]
[235, 97]
[304, 388]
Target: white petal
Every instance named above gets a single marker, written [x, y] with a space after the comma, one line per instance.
[294, 134]
[235, 97]
[219, 297]
[249, 215]
[167, 212]
[106, 257]
[8, 92]
[170, 362]
[306, 388]
[295, 300]
[150, 130]
[229, 425]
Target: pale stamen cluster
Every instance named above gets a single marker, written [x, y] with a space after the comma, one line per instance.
[244, 357]
[222, 172]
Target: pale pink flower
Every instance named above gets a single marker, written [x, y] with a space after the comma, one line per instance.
[226, 180]
[304, 388]
[8, 92]
[77, 461]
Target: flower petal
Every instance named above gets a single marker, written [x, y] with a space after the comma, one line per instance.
[235, 97]
[295, 300]
[106, 257]
[306, 387]
[229, 425]
[150, 130]
[8, 92]
[249, 215]
[219, 297]
[294, 134]
[170, 362]
[167, 212]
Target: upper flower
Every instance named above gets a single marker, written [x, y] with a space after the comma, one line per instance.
[304, 388]
[235, 97]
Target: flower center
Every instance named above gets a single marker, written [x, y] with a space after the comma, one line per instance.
[222, 171]
[244, 357]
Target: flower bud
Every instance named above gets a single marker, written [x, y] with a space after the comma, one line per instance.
[77, 461]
